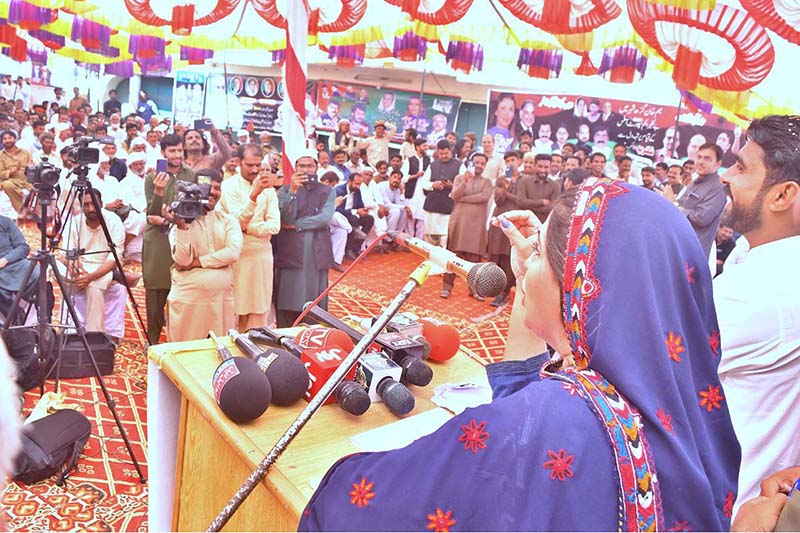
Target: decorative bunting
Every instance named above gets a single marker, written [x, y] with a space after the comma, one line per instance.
[279, 56]
[543, 64]
[409, 47]
[183, 19]
[196, 56]
[121, 68]
[620, 64]
[156, 66]
[464, 55]
[90, 34]
[347, 55]
[49, 39]
[28, 16]
[145, 47]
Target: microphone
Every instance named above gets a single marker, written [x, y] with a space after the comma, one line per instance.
[381, 375]
[407, 353]
[319, 337]
[484, 279]
[444, 338]
[319, 363]
[241, 389]
[286, 374]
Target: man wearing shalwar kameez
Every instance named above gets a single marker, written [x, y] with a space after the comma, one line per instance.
[204, 252]
[306, 254]
[250, 198]
[13, 262]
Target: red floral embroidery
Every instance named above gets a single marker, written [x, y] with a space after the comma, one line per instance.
[362, 493]
[474, 436]
[690, 270]
[728, 508]
[711, 398]
[571, 388]
[441, 521]
[666, 421]
[713, 343]
[681, 525]
[675, 346]
[559, 464]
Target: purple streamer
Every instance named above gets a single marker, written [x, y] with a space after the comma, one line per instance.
[120, 68]
[137, 44]
[189, 53]
[410, 41]
[48, 37]
[623, 57]
[279, 56]
[87, 29]
[552, 60]
[157, 66]
[349, 52]
[700, 104]
[20, 12]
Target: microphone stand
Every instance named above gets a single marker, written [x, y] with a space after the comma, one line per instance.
[415, 280]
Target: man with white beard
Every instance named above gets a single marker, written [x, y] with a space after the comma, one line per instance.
[132, 189]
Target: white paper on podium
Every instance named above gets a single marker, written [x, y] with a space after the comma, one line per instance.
[400, 433]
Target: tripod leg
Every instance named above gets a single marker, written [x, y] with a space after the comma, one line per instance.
[82, 332]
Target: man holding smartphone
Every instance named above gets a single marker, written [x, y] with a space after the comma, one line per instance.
[198, 151]
[250, 197]
[160, 190]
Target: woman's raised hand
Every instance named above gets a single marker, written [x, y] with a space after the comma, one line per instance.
[522, 229]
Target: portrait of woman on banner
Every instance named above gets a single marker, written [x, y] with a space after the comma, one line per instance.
[502, 114]
[415, 116]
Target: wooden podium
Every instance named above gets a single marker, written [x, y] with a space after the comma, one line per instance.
[199, 458]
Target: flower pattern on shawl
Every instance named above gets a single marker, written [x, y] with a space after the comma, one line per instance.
[681, 525]
[362, 493]
[666, 421]
[441, 521]
[728, 508]
[473, 436]
[690, 270]
[675, 346]
[711, 398]
[713, 343]
[559, 464]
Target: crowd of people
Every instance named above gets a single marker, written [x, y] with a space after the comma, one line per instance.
[226, 240]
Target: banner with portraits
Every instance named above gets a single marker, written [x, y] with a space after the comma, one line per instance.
[188, 95]
[648, 131]
[238, 100]
[432, 115]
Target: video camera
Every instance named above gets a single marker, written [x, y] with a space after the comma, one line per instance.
[82, 154]
[43, 176]
[192, 199]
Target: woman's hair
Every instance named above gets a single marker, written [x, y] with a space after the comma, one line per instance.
[558, 232]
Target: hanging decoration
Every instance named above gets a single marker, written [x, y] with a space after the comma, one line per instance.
[156, 66]
[409, 47]
[586, 67]
[543, 64]
[121, 68]
[182, 15]
[622, 63]
[464, 55]
[351, 13]
[145, 47]
[7, 33]
[49, 39]
[196, 56]
[779, 16]
[279, 57]
[89, 34]
[17, 49]
[724, 48]
[564, 16]
[29, 16]
[183, 19]
[450, 11]
[347, 55]
[695, 104]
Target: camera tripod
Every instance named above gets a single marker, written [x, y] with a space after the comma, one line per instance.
[43, 259]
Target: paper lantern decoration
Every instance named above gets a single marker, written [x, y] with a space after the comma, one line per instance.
[449, 12]
[28, 16]
[724, 48]
[351, 13]
[622, 63]
[779, 16]
[347, 55]
[543, 64]
[464, 55]
[182, 15]
[564, 16]
[49, 39]
[409, 47]
[196, 56]
[123, 69]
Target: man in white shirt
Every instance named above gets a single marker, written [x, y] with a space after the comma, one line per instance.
[413, 169]
[132, 191]
[116, 129]
[756, 303]
[22, 91]
[394, 202]
[373, 201]
[378, 145]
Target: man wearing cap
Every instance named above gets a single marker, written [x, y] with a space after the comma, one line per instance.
[243, 137]
[146, 108]
[117, 168]
[132, 187]
[304, 242]
[251, 199]
[377, 145]
[160, 190]
[198, 150]
[13, 161]
[47, 151]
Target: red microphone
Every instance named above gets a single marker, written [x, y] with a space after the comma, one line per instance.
[443, 338]
[319, 337]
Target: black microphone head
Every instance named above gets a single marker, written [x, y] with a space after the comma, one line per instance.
[396, 396]
[486, 279]
[426, 345]
[352, 397]
[241, 389]
[287, 375]
[415, 372]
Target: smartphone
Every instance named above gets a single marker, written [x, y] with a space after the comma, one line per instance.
[202, 124]
[470, 166]
[509, 171]
[312, 178]
[161, 165]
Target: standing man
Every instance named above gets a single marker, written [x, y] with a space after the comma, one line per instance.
[13, 161]
[146, 108]
[494, 165]
[160, 190]
[704, 198]
[198, 151]
[60, 98]
[377, 145]
[77, 102]
[413, 169]
[305, 247]
[251, 199]
[204, 252]
[756, 302]
[466, 233]
[535, 191]
[112, 105]
[438, 182]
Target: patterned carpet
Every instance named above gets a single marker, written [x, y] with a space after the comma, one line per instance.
[104, 494]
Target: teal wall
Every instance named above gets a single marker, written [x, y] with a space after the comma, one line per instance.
[471, 117]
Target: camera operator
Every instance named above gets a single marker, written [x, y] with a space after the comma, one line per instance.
[251, 198]
[160, 190]
[204, 251]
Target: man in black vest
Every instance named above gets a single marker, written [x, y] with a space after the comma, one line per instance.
[414, 168]
[355, 212]
[437, 183]
[306, 253]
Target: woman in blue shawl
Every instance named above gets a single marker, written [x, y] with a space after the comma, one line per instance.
[629, 431]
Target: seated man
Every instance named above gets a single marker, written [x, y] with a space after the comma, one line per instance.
[90, 275]
[395, 202]
[356, 213]
[204, 251]
[13, 263]
[340, 227]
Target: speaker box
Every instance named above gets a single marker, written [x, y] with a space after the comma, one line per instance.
[75, 360]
